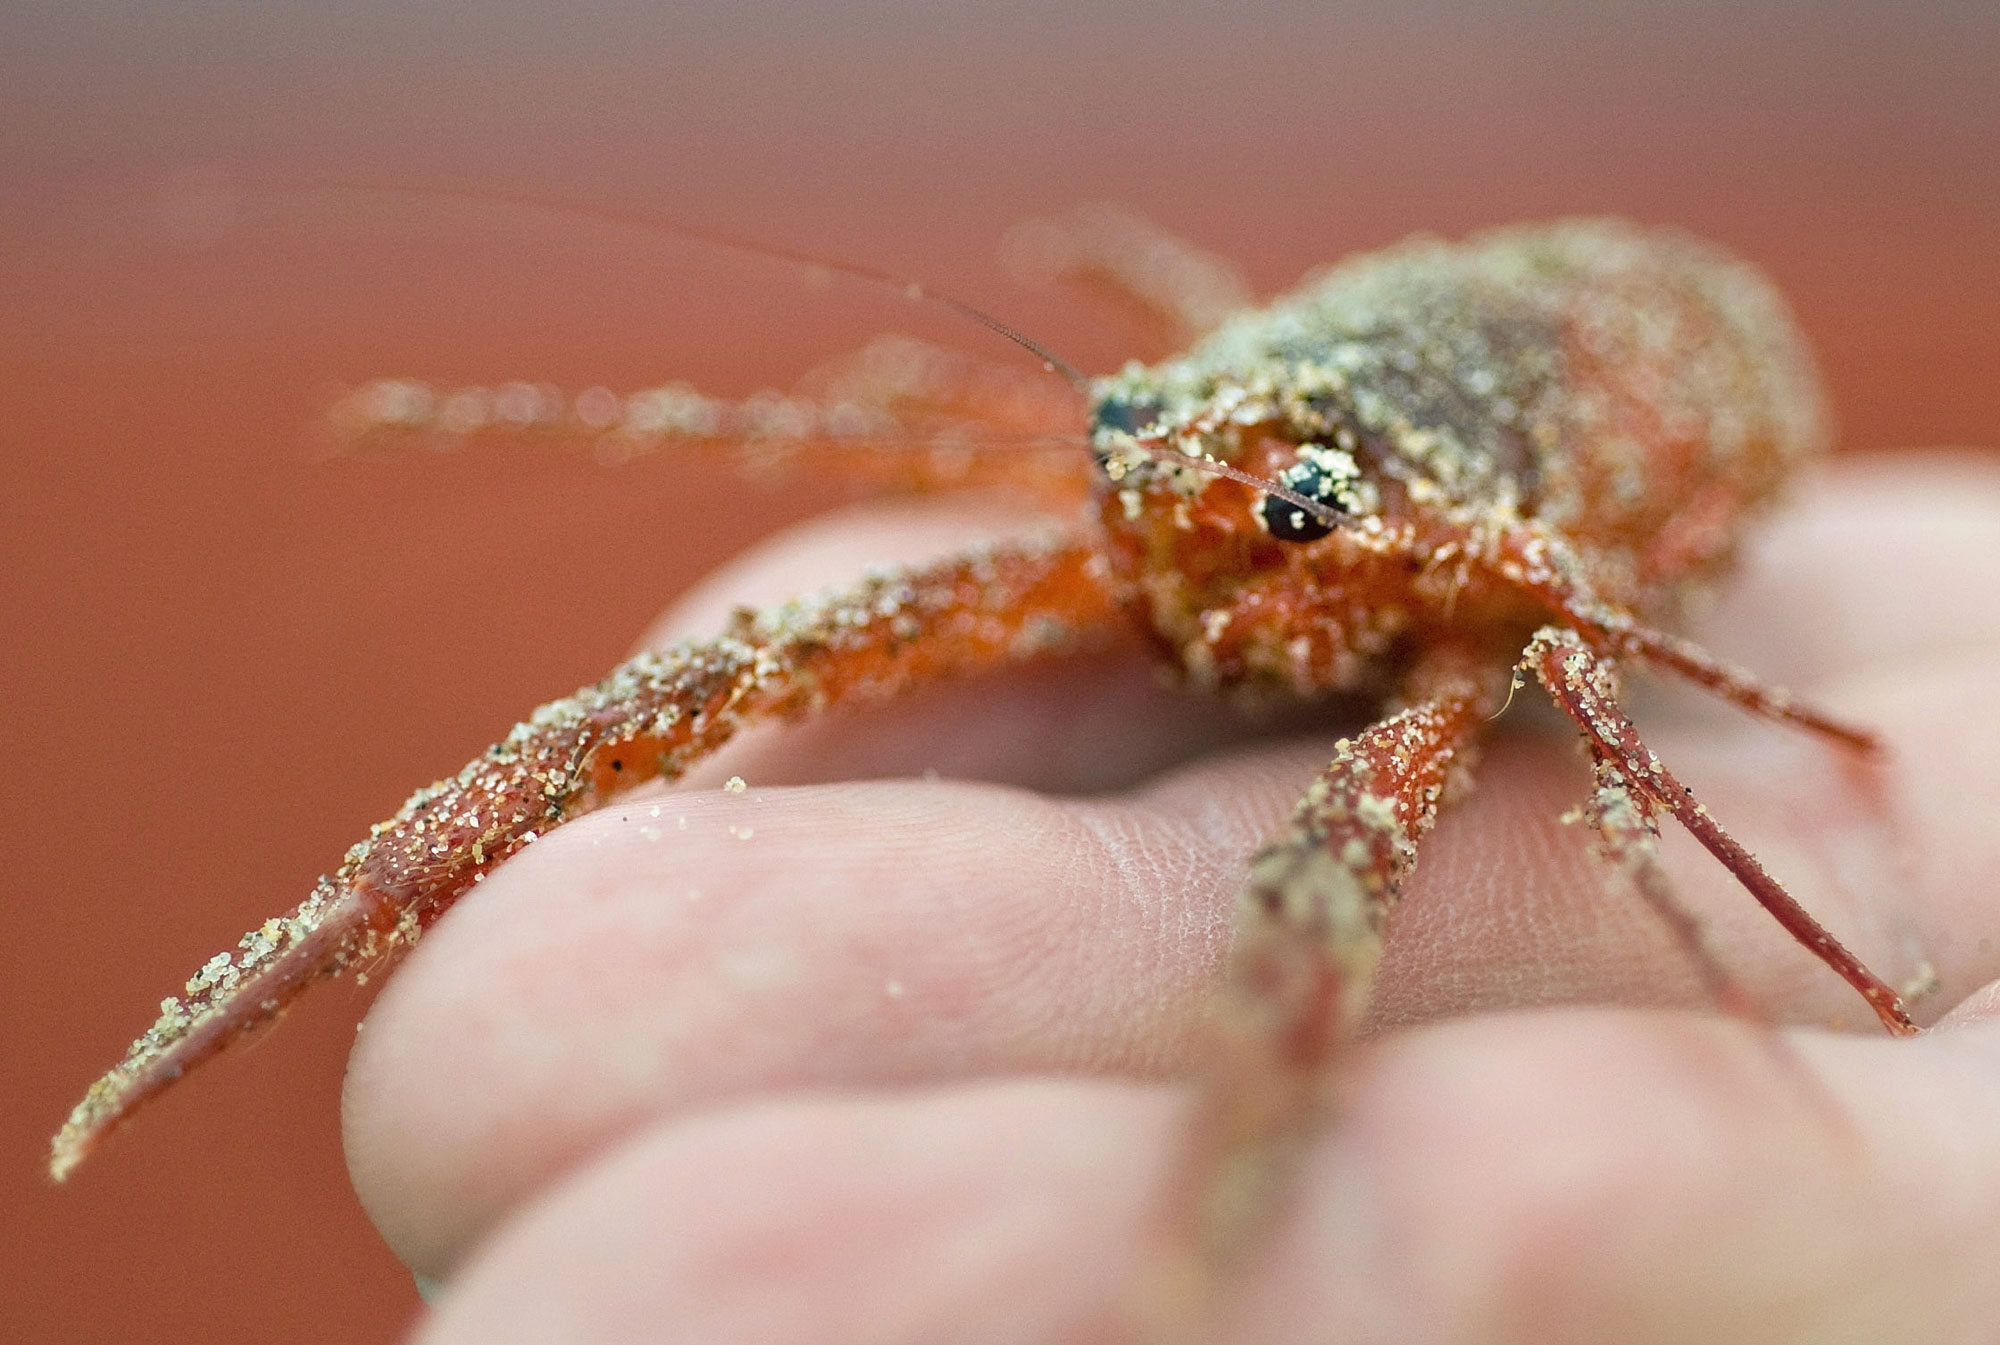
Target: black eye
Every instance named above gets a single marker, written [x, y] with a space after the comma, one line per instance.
[1289, 523]
[1114, 413]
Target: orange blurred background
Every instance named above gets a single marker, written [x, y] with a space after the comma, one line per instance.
[225, 655]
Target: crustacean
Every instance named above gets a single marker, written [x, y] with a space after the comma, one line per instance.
[1430, 475]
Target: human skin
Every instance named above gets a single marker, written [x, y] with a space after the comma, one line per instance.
[906, 1059]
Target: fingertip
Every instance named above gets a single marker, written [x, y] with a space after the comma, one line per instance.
[1981, 1007]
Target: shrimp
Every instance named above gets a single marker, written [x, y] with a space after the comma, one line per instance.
[1428, 476]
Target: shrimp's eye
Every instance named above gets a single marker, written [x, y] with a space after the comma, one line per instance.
[1325, 479]
[1131, 416]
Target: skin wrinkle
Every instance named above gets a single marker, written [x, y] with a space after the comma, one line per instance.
[1139, 917]
[1132, 879]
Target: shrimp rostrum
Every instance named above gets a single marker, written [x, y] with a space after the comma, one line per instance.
[1431, 476]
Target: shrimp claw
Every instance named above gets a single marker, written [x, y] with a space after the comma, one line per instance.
[655, 716]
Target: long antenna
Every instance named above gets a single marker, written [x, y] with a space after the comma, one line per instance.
[646, 221]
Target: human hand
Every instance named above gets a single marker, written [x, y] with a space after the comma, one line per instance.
[879, 1060]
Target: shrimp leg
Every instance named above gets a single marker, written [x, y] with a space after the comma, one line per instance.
[1309, 929]
[1579, 681]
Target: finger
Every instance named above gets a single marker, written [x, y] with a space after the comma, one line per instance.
[979, 1214]
[1883, 560]
[1546, 1178]
[1605, 1176]
[1891, 632]
[1857, 626]
[866, 935]
[715, 944]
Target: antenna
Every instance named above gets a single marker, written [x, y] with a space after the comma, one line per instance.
[645, 221]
